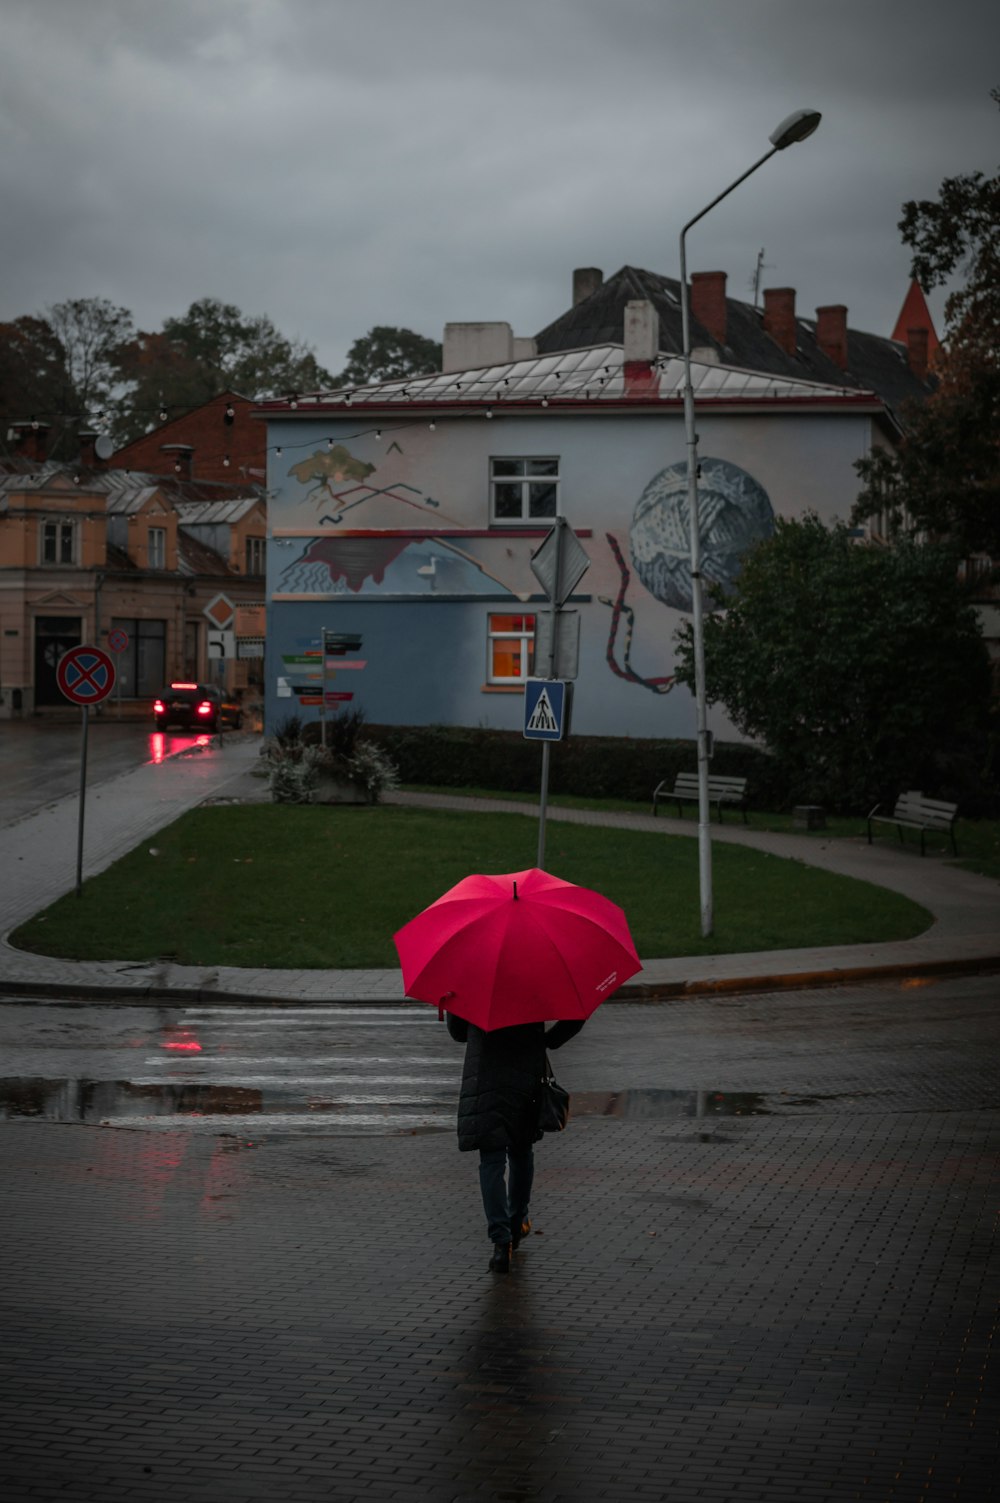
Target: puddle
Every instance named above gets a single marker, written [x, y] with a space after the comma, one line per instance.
[166, 1103]
[654, 1104]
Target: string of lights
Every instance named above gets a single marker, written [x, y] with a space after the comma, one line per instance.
[488, 390]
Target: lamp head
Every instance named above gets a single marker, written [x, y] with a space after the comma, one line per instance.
[795, 127]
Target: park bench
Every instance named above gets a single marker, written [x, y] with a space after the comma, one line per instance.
[720, 791]
[914, 812]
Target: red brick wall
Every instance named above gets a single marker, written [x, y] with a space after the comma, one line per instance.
[211, 437]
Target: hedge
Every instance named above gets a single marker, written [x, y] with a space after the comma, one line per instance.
[588, 766]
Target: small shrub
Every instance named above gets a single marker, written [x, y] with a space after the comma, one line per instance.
[293, 782]
[373, 769]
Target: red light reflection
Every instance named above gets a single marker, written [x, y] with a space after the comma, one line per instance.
[158, 747]
[180, 1040]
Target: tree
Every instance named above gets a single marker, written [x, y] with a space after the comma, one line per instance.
[213, 347]
[944, 478]
[92, 331]
[861, 668]
[388, 354]
[35, 381]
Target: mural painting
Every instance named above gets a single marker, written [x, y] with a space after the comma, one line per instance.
[734, 512]
[409, 522]
[401, 561]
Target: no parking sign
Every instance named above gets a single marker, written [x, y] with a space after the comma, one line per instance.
[86, 675]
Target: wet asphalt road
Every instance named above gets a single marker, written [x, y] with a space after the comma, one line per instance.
[378, 1069]
[41, 758]
[762, 1264]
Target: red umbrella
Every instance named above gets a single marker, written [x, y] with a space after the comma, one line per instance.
[524, 947]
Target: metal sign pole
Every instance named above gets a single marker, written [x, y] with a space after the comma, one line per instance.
[550, 673]
[322, 708]
[543, 803]
[83, 797]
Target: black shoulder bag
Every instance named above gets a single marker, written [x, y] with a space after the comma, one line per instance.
[553, 1108]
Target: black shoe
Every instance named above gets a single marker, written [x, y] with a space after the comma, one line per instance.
[500, 1261]
[518, 1231]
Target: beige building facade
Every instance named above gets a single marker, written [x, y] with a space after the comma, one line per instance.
[178, 570]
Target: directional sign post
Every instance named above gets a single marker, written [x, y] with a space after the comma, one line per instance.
[86, 676]
[559, 563]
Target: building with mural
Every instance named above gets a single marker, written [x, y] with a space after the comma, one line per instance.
[402, 519]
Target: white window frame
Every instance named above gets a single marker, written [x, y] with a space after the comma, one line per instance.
[62, 528]
[156, 548]
[525, 479]
[526, 636]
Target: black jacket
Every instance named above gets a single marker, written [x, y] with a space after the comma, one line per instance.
[502, 1081]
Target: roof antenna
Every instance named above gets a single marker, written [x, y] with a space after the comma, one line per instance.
[755, 280]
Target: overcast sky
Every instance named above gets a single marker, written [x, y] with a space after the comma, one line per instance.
[342, 163]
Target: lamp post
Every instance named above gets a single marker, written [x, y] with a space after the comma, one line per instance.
[795, 128]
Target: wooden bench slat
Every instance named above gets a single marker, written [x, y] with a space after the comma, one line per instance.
[721, 790]
[915, 812]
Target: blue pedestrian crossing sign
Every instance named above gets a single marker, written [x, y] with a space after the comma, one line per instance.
[544, 709]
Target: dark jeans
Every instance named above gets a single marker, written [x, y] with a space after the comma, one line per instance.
[505, 1202]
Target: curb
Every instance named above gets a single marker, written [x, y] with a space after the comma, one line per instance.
[643, 992]
[655, 991]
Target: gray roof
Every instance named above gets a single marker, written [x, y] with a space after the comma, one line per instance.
[128, 490]
[873, 362]
[204, 513]
[595, 374]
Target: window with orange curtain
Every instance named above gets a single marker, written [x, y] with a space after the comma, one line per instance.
[511, 648]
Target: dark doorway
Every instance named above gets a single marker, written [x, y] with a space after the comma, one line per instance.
[54, 635]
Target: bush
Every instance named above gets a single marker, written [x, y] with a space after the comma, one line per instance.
[587, 766]
[294, 759]
[861, 668]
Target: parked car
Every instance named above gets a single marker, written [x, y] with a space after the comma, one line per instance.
[196, 707]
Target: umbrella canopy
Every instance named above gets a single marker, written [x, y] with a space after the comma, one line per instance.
[523, 947]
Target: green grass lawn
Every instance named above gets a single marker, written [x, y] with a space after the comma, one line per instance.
[279, 885]
[978, 839]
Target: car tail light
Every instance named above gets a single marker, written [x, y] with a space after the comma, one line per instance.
[206, 707]
[183, 686]
[159, 708]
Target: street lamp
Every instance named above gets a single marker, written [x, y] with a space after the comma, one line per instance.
[795, 128]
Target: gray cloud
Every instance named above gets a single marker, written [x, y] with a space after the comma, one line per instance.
[340, 163]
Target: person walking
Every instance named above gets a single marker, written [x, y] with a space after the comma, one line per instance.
[498, 1114]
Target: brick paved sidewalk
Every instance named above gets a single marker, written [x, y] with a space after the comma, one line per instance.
[752, 1309]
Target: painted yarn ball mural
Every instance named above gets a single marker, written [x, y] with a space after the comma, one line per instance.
[734, 510]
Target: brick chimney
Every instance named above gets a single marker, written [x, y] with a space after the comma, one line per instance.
[708, 302]
[88, 453]
[917, 356]
[831, 333]
[30, 440]
[586, 281]
[183, 458]
[779, 317]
